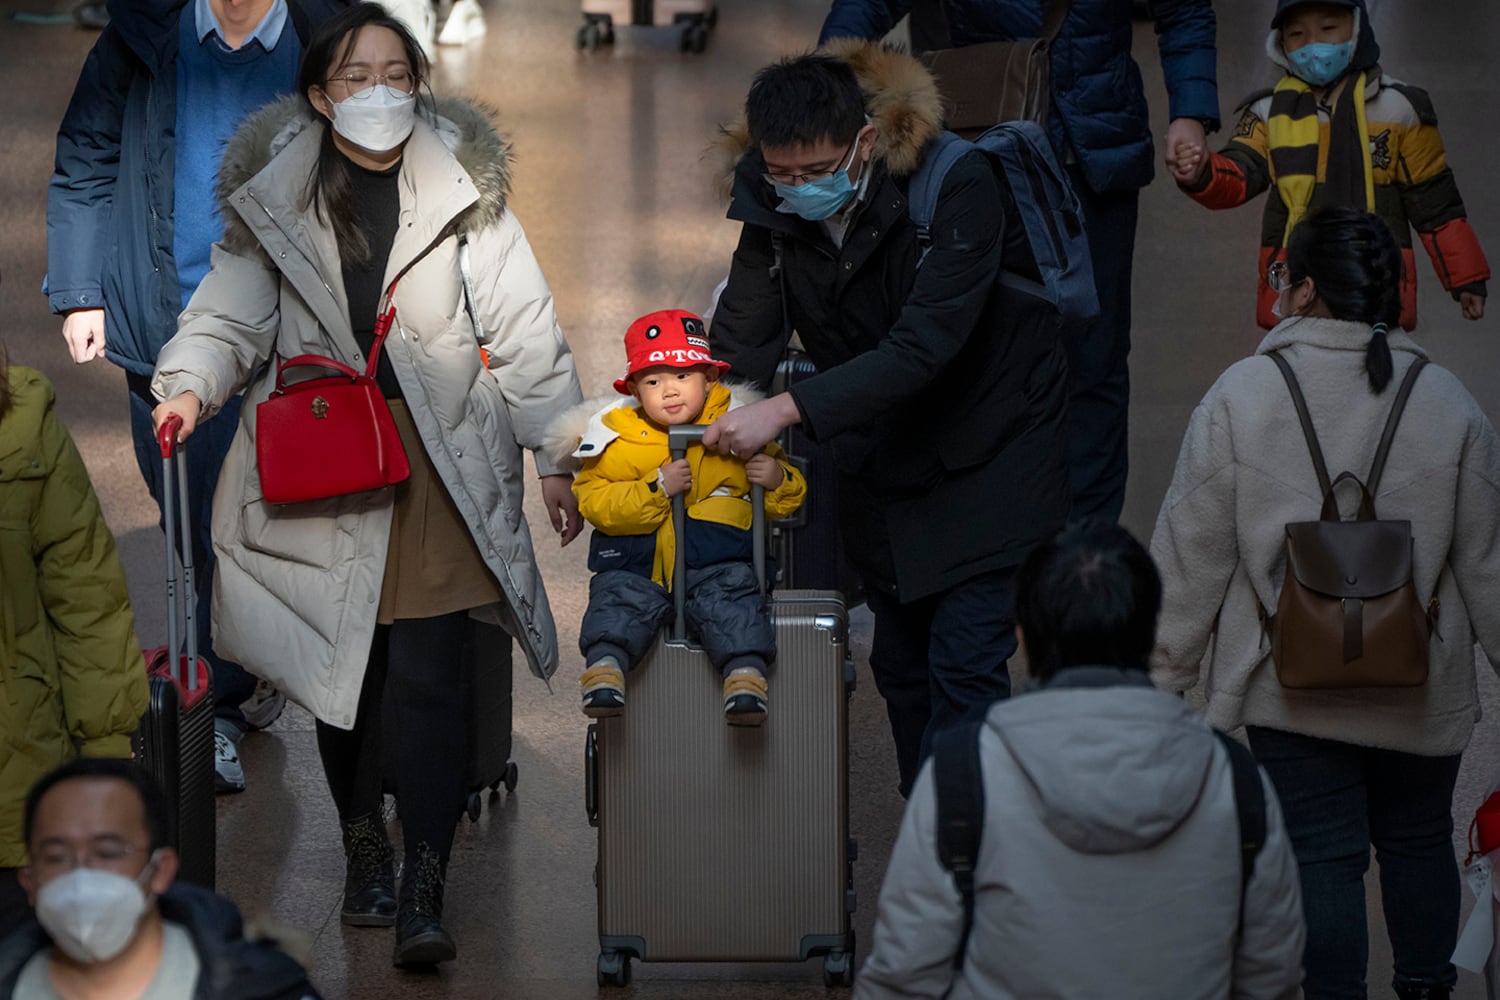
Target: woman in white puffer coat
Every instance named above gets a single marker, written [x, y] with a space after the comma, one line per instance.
[350, 197]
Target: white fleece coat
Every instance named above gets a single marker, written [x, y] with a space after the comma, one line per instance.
[1245, 472]
[297, 587]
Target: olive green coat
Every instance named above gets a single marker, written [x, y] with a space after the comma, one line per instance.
[71, 675]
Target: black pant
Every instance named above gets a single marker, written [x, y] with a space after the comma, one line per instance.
[15, 911]
[941, 660]
[1098, 370]
[412, 713]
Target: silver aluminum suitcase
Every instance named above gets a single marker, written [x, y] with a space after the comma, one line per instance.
[721, 843]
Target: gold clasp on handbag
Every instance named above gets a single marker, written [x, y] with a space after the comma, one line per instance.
[319, 407]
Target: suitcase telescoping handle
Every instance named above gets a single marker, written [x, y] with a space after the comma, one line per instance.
[179, 525]
[678, 440]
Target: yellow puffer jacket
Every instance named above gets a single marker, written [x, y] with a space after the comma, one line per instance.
[72, 680]
[618, 492]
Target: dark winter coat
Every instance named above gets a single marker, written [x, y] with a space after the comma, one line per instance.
[109, 205]
[1099, 103]
[941, 393]
[232, 967]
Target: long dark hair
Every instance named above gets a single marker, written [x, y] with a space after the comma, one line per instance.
[329, 191]
[1355, 264]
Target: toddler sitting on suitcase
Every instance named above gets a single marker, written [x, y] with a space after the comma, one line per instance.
[625, 490]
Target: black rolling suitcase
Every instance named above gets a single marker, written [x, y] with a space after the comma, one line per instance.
[487, 672]
[176, 739]
[808, 546]
[486, 675]
[681, 799]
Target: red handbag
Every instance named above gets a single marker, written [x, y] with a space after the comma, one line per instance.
[330, 436]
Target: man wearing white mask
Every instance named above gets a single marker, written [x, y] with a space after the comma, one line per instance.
[131, 215]
[110, 921]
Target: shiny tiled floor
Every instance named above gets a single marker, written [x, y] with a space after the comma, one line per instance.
[621, 211]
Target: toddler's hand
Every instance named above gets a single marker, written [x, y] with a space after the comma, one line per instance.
[1473, 305]
[676, 477]
[764, 471]
[1186, 161]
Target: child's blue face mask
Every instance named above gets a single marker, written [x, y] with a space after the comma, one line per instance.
[1321, 63]
[816, 200]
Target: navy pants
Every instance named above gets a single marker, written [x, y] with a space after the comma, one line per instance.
[941, 660]
[1338, 800]
[1098, 356]
[205, 455]
[726, 613]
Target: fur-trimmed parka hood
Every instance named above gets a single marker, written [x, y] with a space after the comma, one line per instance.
[584, 423]
[901, 98]
[466, 128]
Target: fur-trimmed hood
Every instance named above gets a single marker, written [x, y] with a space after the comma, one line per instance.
[901, 97]
[467, 129]
[584, 424]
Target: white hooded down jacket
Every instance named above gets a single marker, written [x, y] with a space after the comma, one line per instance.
[1109, 866]
[297, 588]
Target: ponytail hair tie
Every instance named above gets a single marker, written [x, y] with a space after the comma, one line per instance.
[1381, 328]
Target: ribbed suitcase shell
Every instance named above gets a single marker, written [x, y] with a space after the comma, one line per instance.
[724, 843]
[177, 747]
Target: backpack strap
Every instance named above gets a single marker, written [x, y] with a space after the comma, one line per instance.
[1300, 402]
[959, 782]
[1372, 482]
[1249, 807]
[922, 193]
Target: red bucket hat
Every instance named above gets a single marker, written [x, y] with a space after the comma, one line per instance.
[672, 338]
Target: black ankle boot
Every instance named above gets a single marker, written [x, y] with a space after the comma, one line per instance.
[420, 938]
[369, 879]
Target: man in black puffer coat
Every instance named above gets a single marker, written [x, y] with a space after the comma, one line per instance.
[941, 392]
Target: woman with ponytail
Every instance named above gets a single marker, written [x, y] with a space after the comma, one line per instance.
[1353, 767]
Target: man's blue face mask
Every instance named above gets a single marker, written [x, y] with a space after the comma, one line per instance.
[820, 199]
[1321, 63]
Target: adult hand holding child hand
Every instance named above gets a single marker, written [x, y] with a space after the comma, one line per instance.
[1187, 150]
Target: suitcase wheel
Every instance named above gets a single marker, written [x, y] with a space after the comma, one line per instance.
[512, 775]
[614, 968]
[838, 969]
[590, 36]
[475, 807]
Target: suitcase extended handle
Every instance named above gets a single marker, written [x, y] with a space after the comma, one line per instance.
[175, 510]
[678, 440]
[591, 774]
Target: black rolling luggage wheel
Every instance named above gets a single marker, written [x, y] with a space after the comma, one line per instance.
[614, 968]
[475, 807]
[512, 775]
[838, 969]
[713, 17]
[590, 37]
[697, 37]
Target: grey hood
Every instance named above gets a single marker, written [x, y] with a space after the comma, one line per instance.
[1115, 768]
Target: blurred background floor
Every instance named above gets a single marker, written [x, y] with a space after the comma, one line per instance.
[622, 213]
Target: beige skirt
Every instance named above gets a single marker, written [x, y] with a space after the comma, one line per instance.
[433, 566]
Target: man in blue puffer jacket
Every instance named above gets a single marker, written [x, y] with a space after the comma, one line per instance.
[1100, 127]
[132, 212]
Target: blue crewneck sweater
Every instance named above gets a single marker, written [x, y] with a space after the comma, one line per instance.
[216, 88]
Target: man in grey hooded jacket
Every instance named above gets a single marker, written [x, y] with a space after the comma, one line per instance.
[1110, 860]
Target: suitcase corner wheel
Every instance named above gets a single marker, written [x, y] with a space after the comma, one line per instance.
[838, 967]
[614, 968]
[475, 804]
[594, 32]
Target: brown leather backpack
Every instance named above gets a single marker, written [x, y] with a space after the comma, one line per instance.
[1349, 615]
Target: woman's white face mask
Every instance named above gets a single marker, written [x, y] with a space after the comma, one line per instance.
[379, 119]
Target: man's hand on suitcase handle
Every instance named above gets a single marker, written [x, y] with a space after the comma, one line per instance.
[186, 406]
[562, 506]
[743, 432]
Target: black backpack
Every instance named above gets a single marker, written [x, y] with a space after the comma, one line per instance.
[959, 782]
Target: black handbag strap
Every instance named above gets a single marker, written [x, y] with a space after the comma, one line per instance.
[1377, 469]
[1325, 486]
[930, 29]
[1250, 809]
[958, 780]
